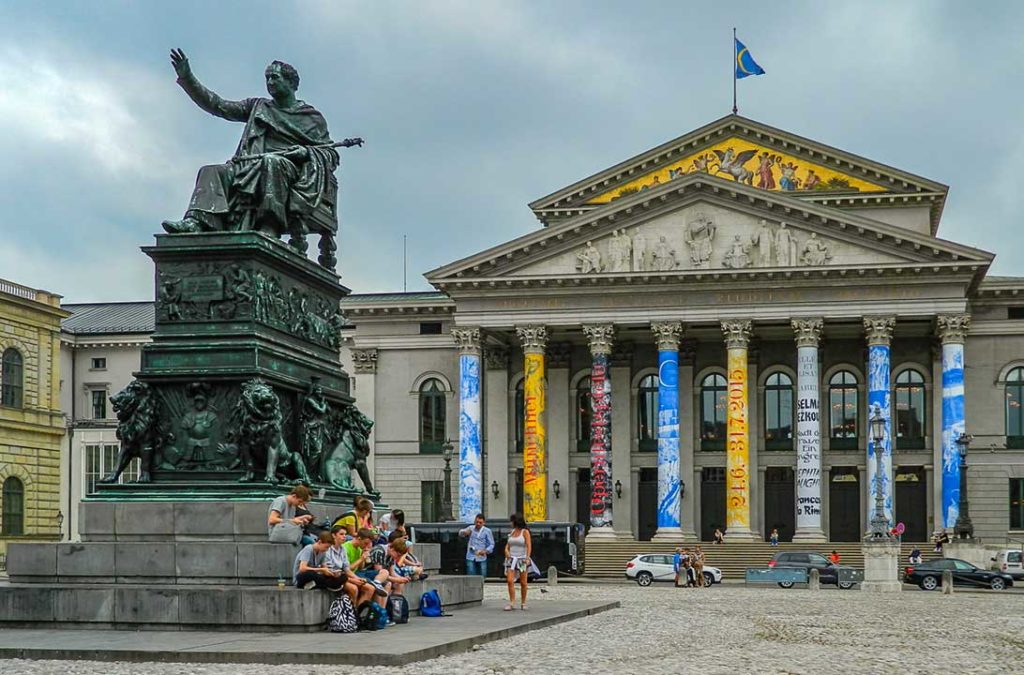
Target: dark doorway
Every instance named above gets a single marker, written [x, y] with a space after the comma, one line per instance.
[779, 502]
[844, 504]
[911, 507]
[712, 501]
[647, 504]
[583, 498]
[519, 491]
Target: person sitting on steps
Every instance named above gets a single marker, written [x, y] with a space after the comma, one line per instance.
[309, 570]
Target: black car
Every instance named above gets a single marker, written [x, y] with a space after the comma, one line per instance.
[928, 575]
[828, 571]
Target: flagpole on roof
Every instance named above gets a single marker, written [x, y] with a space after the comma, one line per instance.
[734, 109]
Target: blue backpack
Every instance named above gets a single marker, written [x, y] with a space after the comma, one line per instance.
[371, 616]
[430, 604]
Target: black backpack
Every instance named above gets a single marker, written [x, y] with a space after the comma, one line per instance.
[398, 608]
[371, 616]
[342, 616]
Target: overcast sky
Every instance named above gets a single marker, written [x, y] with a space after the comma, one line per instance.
[472, 108]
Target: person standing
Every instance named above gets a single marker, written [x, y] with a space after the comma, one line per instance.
[774, 537]
[677, 563]
[518, 552]
[481, 545]
[698, 566]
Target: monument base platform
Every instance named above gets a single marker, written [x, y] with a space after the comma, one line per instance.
[197, 607]
[881, 567]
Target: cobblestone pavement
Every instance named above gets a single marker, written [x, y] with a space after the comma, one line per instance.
[725, 629]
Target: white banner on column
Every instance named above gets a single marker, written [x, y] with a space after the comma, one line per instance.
[808, 441]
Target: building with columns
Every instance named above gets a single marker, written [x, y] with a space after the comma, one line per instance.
[696, 338]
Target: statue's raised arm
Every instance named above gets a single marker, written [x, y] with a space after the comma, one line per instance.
[234, 111]
[281, 177]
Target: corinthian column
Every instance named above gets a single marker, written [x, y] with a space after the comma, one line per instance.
[878, 330]
[952, 331]
[471, 495]
[667, 336]
[600, 337]
[737, 432]
[808, 431]
[535, 468]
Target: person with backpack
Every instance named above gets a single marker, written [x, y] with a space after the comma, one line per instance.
[361, 517]
[518, 561]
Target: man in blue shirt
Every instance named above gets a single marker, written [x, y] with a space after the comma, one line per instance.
[481, 545]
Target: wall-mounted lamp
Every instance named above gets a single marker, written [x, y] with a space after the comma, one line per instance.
[557, 489]
[494, 488]
[618, 489]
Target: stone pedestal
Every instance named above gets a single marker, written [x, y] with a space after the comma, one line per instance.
[668, 534]
[968, 550]
[881, 567]
[605, 533]
[812, 536]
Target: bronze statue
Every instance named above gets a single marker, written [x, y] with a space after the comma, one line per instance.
[281, 170]
[137, 430]
[259, 439]
[315, 410]
[351, 451]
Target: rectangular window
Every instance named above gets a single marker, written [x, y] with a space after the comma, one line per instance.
[100, 460]
[99, 363]
[98, 399]
[1017, 503]
[430, 328]
[430, 501]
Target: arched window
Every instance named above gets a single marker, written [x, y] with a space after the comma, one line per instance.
[584, 415]
[843, 413]
[432, 416]
[778, 412]
[11, 379]
[713, 407]
[910, 409]
[1015, 408]
[647, 414]
[12, 518]
[520, 411]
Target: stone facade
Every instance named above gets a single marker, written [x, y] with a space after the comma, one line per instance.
[31, 424]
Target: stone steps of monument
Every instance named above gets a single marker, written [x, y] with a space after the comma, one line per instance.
[607, 559]
[196, 607]
[163, 562]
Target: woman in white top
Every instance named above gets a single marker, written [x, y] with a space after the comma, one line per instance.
[518, 551]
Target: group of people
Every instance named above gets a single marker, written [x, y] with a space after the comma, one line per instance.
[518, 555]
[351, 555]
[689, 567]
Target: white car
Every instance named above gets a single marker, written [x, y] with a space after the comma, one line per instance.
[1009, 561]
[647, 568]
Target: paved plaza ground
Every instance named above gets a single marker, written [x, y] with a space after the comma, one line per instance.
[725, 629]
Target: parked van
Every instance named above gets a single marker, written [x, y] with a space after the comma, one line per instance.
[1010, 561]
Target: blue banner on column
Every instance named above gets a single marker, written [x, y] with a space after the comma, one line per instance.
[879, 403]
[470, 447]
[668, 439]
[953, 425]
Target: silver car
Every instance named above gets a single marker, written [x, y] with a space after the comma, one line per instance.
[646, 568]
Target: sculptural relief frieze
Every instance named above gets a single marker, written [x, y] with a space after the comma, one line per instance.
[205, 291]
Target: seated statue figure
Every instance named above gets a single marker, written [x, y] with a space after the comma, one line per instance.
[280, 171]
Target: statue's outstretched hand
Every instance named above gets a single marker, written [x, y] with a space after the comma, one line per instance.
[349, 142]
[180, 63]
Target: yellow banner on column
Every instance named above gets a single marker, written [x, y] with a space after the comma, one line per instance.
[535, 466]
[737, 455]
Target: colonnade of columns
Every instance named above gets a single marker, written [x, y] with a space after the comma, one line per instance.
[878, 330]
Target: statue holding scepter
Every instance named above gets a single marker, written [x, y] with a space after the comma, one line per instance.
[280, 169]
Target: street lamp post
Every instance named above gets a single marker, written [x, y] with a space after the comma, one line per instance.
[879, 523]
[446, 498]
[963, 528]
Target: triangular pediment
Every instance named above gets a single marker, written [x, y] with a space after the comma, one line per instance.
[699, 222]
[754, 154]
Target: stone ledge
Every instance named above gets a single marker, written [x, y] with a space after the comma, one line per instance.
[198, 607]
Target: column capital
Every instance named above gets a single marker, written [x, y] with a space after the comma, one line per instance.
[467, 339]
[601, 337]
[364, 360]
[667, 334]
[496, 357]
[533, 337]
[737, 333]
[808, 331]
[878, 329]
[952, 328]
